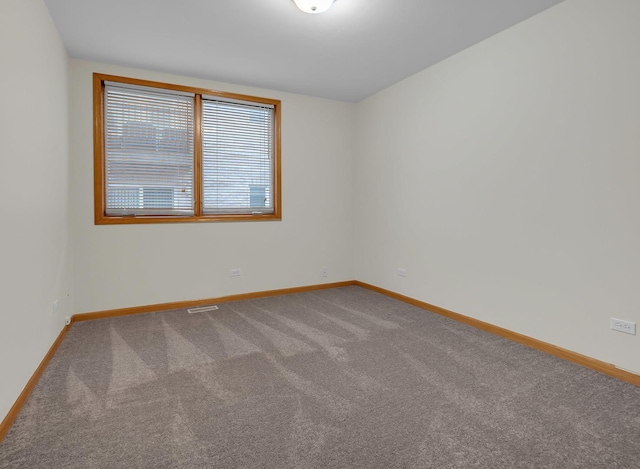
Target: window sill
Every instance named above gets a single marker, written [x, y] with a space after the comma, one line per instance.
[137, 220]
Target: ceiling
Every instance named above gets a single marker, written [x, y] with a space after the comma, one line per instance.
[353, 50]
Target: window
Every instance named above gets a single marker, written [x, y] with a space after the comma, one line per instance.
[167, 153]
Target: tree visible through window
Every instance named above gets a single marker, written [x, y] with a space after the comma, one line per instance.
[166, 153]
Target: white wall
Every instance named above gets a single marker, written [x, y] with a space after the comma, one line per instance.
[34, 164]
[129, 265]
[506, 180]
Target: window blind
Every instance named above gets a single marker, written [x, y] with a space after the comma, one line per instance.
[237, 157]
[149, 146]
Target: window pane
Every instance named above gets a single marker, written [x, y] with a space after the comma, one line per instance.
[149, 151]
[237, 157]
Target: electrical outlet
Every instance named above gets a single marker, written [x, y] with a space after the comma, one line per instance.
[235, 272]
[324, 272]
[402, 272]
[55, 307]
[621, 325]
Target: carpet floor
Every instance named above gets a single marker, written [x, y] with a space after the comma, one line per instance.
[340, 378]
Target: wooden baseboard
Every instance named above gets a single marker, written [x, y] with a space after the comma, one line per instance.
[554, 350]
[26, 392]
[206, 301]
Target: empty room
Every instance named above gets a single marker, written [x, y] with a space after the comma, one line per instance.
[320, 233]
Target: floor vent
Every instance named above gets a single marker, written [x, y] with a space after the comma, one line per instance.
[202, 309]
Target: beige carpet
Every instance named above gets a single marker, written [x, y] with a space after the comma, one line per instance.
[342, 378]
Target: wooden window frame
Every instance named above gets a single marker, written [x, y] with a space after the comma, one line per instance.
[99, 156]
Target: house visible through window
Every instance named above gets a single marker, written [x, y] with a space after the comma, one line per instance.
[167, 153]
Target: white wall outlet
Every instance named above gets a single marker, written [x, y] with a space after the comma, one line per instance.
[402, 272]
[55, 307]
[235, 272]
[67, 320]
[621, 325]
[324, 272]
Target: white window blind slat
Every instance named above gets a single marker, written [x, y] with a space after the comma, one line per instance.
[149, 146]
[237, 157]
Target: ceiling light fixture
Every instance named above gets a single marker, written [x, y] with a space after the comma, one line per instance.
[314, 6]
